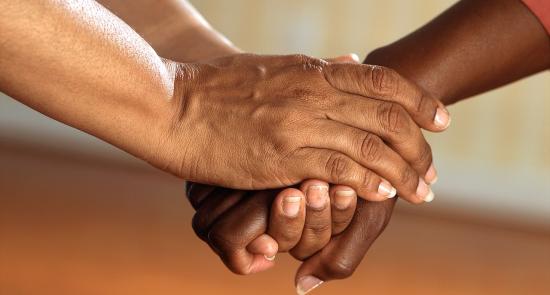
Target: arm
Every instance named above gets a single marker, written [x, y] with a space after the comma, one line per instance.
[77, 63]
[473, 47]
[168, 26]
[469, 49]
[452, 67]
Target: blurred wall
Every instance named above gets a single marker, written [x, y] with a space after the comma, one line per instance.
[494, 160]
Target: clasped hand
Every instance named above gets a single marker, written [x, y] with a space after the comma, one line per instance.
[263, 122]
[362, 124]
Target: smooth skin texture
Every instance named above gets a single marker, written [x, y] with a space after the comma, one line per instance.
[440, 57]
[78, 63]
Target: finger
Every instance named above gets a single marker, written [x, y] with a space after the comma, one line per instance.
[372, 153]
[343, 202]
[386, 84]
[196, 193]
[264, 245]
[335, 167]
[317, 227]
[348, 58]
[287, 218]
[392, 123]
[237, 228]
[340, 258]
[214, 205]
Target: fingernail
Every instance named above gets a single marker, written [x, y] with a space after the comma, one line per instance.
[424, 191]
[291, 205]
[355, 57]
[431, 175]
[386, 189]
[269, 258]
[307, 284]
[343, 198]
[317, 196]
[442, 119]
[430, 197]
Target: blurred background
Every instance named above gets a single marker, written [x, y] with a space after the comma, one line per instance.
[78, 216]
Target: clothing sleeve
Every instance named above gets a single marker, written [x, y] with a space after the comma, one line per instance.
[541, 9]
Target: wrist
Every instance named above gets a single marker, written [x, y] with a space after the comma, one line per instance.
[170, 131]
[194, 43]
[391, 57]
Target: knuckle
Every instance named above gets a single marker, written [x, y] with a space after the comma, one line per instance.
[369, 182]
[384, 81]
[289, 237]
[237, 268]
[339, 268]
[377, 219]
[340, 223]
[337, 166]
[407, 176]
[425, 155]
[299, 58]
[393, 118]
[308, 63]
[198, 227]
[422, 101]
[371, 147]
[219, 240]
[319, 228]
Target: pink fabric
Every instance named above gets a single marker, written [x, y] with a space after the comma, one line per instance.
[540, 8]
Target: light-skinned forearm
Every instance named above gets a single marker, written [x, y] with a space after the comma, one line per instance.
[173, 28]
[79, 64]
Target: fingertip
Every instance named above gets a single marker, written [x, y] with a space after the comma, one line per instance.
[288, 192]
[384, 191]
[263, 245]
[442, 119]
[307, 284]
[342, 197]
[289, 202]
[264, 250]
[316, 193]
[312, 182]
[372, 197]
[260, 263]
[355, 57]
[307, 277]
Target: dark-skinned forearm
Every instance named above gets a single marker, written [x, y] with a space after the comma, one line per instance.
[473, 47]
[463, 52]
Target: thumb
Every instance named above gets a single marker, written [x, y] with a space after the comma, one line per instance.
[263, 248]
[351, 58]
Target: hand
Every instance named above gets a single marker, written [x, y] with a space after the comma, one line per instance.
[246, 235]
[268, 222]
[273, 125]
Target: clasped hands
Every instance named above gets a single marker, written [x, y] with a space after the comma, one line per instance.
[270, 133]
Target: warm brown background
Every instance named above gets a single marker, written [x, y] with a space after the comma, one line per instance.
[79, 225]
[78, 217]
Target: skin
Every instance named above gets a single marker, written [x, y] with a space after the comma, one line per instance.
[314, 229]
[155, 20]
[439, 58]
[301, 117]
[339, 258]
